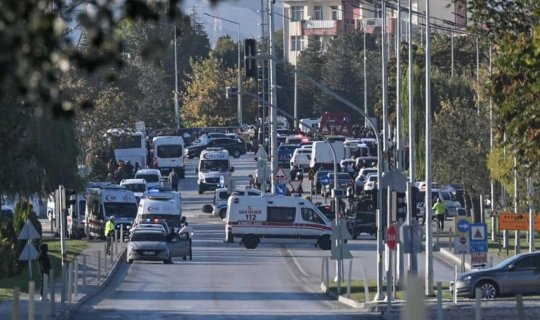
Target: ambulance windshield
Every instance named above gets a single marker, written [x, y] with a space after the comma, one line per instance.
[214, 165]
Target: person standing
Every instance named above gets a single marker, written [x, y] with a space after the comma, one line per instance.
[109, 233]
[439, 209]
[188, 230]
[44, 265]
[173, 180]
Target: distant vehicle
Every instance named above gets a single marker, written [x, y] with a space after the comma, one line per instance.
[284, 132]
[326, 209]
[6, 213]
[137, 186]
[450, 201]
[308, 124]
[360, 179]
[361, 222]
[321, 154]
[75, 218]
[344, 181]
[214, 163]
[318, 175]
[295, 140]
[159, 208]
[152, 245]
[222, 195]
[335, 123]
[169, 154]
[128, 145]
[516, 275]
[301, 157]
[371, 182]
[271, 218]
[234, 147]
[284, 153]
[152, 177]
[366, 162]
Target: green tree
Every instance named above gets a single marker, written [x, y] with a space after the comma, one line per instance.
[227, 50]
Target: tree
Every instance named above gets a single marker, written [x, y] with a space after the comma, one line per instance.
[227, 51]
[204, 101]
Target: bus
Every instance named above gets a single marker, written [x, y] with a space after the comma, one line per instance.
[128, 146]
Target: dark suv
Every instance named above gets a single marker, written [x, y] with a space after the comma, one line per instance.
[235, 147]
[362, 218]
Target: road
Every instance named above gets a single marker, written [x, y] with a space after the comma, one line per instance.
[226, 281]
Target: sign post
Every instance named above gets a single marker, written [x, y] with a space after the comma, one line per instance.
[478, 241]
[29, 252]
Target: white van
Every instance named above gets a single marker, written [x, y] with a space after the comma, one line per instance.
[222, 195]
[301, 157]
[321, 155]
[271, 218]
[169, 154]
[107, 201]
[154, 209]
[75, 216]
[214, 164]
[308, 124]
[137, 186]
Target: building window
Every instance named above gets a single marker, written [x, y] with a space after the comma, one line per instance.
[297, 43]
[316, 41]
[318, 13]
[336, 13]
[297, 13]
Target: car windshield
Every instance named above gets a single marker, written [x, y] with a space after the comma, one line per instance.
[148, 236]
[148, 177]
[136, 187]
[169, 151]
[221, 165]
[121, 209]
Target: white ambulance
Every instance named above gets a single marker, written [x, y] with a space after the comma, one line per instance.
[156, 208]
[214, 169]
[104, 202]
[270, 218]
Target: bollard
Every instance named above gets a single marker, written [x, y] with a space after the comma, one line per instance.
[366, 286]
[99, 267]
[519, 305]
[478, 304]
[439, 301]
[491, 261]
[105, 262]
[44, 297]
[327, 273]
[15, 307]
[84, 271]
[349, 281]
[322, 271]
[114, 246]
[76, 278]
[121, 235]
[63, 285]
[31, 300]
[454, 295]
[53, 296]
[70, 283]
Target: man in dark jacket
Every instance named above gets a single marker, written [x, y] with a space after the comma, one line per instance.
[44, 265]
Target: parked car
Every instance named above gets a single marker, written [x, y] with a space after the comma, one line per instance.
[6, 213]
[519, 274]
[235, 147]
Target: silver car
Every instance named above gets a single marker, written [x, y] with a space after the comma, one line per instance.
[519, 274]
[153, 245]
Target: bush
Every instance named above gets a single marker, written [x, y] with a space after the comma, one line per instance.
[8, 241]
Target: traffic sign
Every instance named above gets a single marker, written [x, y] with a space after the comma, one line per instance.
[462, 225]
[28, 232]
[28, 253]
[281, 189]
[461, 244]
[261, 153]
[295, 185]
[311, 174]
[517, 221]
[479, 258]
[391, 237]
[339, 249]
[478, 237]
[280, 175]
[324, 180]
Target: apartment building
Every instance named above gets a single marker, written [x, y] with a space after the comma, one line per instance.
[322, 20]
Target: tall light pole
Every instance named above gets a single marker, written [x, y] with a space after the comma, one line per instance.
[273, 94]
[238, 67]
[365, 74]
[176, 106]
[398, 88]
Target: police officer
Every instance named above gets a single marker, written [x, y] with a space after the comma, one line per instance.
[109, 233]
[188, 230]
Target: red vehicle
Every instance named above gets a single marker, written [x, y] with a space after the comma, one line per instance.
[335, 123]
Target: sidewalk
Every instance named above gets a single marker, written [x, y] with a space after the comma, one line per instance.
[88, 285]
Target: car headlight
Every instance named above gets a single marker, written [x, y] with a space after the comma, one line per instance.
[465, 279]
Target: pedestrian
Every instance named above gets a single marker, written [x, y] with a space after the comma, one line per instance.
[44, 265]
[350, 169]
[188, 230]
[109, 233]
[129, 169]
[173, 180]
[439, 209]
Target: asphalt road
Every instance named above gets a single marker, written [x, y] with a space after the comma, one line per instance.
[226, 281]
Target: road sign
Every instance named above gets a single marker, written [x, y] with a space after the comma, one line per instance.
[280, 175]
[222, 182]
[479, 258]
[391, 237]
[311, 174]
[478, 237]
[339, 248]
[281, 189]
[514, 221]
[28, 253]
[28, 232]
[462, 225]
[261, 153]
[462, 245]
[295, 185]
[324, 180]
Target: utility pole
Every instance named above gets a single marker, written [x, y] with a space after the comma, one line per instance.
[384, 84]
[398, 89]
[428, 213]
[176, 110]
[530, 187]
[365, 73]
[517, 246]
[273, 95]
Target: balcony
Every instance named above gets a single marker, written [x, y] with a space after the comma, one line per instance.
[321, 27]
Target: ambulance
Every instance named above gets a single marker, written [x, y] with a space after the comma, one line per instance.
[169, 154]
[157, 208]
[276, 219]
[104, 202]
[214, 169]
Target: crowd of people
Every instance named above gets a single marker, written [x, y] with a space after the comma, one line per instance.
[118, 171]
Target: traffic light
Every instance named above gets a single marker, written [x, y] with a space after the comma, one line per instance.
[250, 63]
[414, 197]
[399, 205]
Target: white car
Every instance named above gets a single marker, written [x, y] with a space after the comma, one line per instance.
[152, 177]
[301, 157]
[371, 182]
[137, 186]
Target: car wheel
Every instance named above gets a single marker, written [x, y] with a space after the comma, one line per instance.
[251, 241]
[236, 153]
[130, 261]
[488, 290]
[324, 243]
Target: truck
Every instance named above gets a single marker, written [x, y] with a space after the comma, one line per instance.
[214, 169]
[169, 154]
[335, 123]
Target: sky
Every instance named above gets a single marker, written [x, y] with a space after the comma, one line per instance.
[245, 12]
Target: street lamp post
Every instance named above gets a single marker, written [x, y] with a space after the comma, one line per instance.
[238, 67]
[176, 110]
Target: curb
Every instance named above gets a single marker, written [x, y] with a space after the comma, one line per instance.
[349, 302]
[66, 313]
[455, 259]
